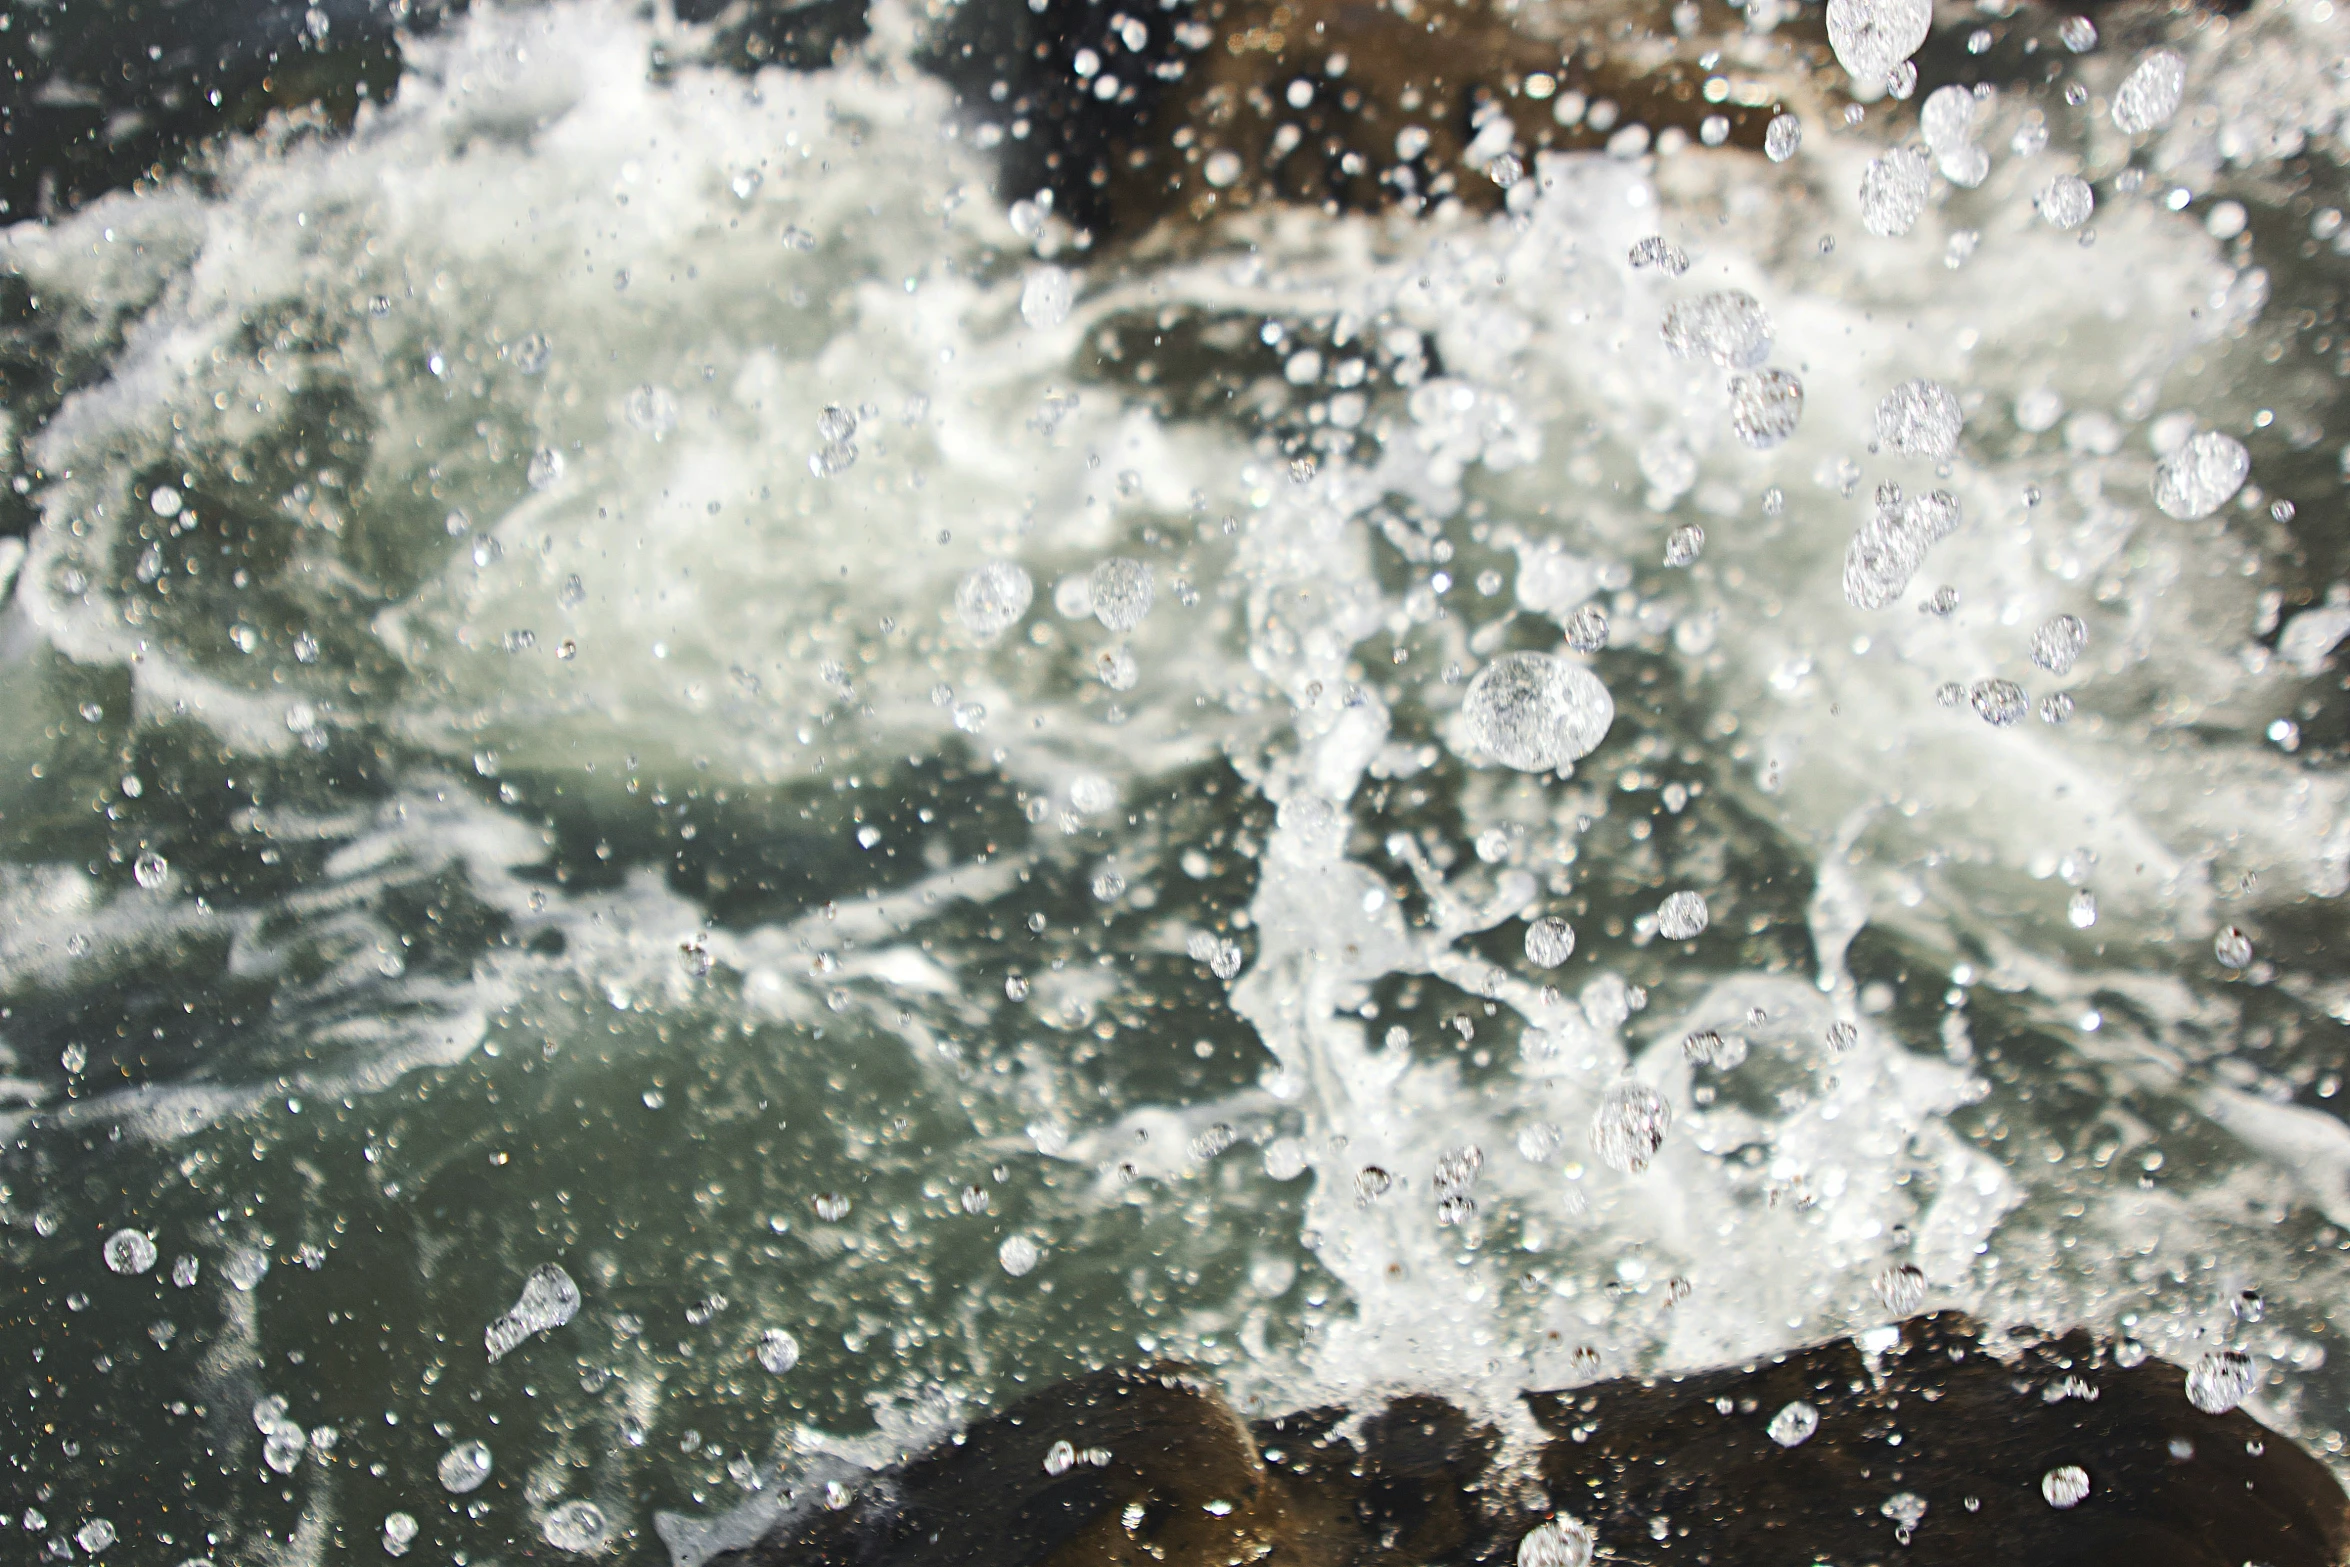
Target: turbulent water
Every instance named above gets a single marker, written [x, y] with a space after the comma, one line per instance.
[494, 774]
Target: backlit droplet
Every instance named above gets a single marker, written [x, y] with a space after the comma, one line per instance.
[1682, 916]
[1765, 407]
[2232, 948]
[991, 598]
[1536, 712]
[1684, 544]
[2219, 1381]
[129, 1251]
[1920, 418]
[1793, 1425]
[549, 1299]
[778, 1351]
[1999, 703]
[1018, 1255]
[1782, 137]
[575, 1526]
[1550, 941]
[2058, 643]
[1122, 592]
[464, 1467]
[1587, 629]
[2150, 94]
[2066, 201]
[2067, 1485]
[1561, 1542]
[1871, 37]
[2201, 476]
[1901, 1288]
[1730, 328]
[1630, 1126]
[1893, 190]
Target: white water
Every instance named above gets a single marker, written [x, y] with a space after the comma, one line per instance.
[756, 251]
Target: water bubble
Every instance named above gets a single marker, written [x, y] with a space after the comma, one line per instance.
[2058, 643]
[1371, 1184]
[1920, 418]
[1893, 190]
[1682, 916]
[1841, 1036]
[184, 1271]
[548, 1300]
[1709, 1047]
[1122, 591]
[533, 354]
[2079, 34]
[1018, 1255]
[652, 409]
[1793, 1425]
[1015, 988]
[2066, 201]
[1902, 1288]
[1654, 252]
[129, 1251]
[1117, 668]
[575, 1526]
[546, 468]
[1046, 297]
[2056, 708]
[94, 1536]
[1587, 629]
[1060, 1458]
[1541, 1142]
[2081, 911]
[1907, 1509]
[1535, 712]
[399, 1533]
[2067, 1485]
[991, 598]
[1550, 941]
[1730, 328]
[2150, 94]
[1947, 118]
[2200, 477]
[1560, 1542]
[2219, 1381]
[778, 1351]
[1765, 407]
[2232, 948]
[1782, 137]
[1902, 80]
[464, 1467]
[1871, 37]
[164, 501]
[831, 1207]
[1999, 703]
[1630, 1126]
[1684, 544]
[1108, 884]
[150, 870]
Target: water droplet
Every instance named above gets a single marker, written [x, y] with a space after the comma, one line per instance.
[1682, 916]
[2201, 476]
[1550, 941]
[1920, 418]
[575, 1526]
[1018, 1255]
[1561, 1542]
[2066, 201]
[549, 1299]
[1630, 1126]
[1535, 712]
[2067, 1485]
[2058, 643]
[778, 1351]
[1793, 1425]
[1122, 591]
[1587, 629]
[2082, 910]
[1782, 137]
[1901, 1287]
[1871, 37]
[2219, 1381]
[1999, 702]
[464, 1467]
[1655, 252]
[1893, 190]
[1684, 544]
[150, 869]
[1765, 407]
[129, 1251]
[399, 1533]
[2232, 948]
[2150, 94]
